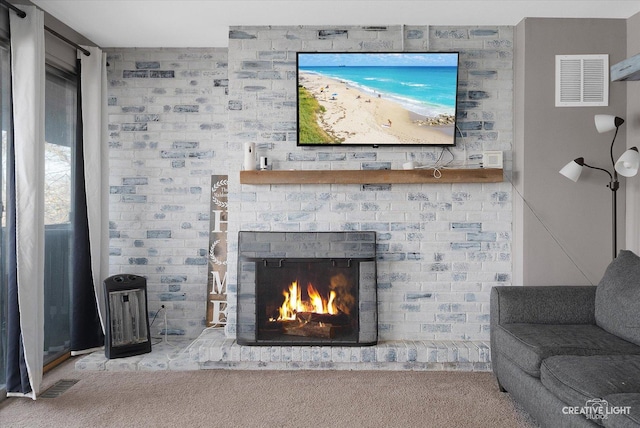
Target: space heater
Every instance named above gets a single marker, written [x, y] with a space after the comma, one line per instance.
[128, 330]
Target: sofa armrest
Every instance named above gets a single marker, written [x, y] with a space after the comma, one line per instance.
[543, 304]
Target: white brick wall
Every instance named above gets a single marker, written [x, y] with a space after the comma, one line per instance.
[168, 120]
[441, 246]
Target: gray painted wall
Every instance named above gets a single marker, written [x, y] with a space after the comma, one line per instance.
[563, 230]
[633, 137]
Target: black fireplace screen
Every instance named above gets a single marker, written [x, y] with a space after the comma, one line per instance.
[307, 288]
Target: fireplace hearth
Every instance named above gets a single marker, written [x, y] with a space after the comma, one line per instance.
[307, 288]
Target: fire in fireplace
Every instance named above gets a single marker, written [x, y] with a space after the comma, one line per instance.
[307, 297]
[301, 288]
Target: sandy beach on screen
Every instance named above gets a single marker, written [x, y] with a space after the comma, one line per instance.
[361, 118]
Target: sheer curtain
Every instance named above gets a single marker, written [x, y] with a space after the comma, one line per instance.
[91, 262]
[26, 286]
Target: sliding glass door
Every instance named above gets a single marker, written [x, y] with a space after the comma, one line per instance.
[60, 140]
[61, 95]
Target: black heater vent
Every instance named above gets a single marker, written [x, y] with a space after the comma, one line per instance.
[128, 330]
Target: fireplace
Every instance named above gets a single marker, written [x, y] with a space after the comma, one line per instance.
[307, 288]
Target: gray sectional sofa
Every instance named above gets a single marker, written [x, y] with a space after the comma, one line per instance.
[571, 354]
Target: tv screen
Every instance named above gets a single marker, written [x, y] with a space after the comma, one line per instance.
[390, 98]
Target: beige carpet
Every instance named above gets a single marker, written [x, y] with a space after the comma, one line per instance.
[236, 398]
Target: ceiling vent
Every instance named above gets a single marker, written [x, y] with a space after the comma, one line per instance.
[582, 80]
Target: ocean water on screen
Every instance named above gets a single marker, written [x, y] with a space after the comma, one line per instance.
[424, 90]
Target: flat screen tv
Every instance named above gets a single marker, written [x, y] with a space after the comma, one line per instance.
[378, 99]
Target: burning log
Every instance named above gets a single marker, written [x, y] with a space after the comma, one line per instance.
[316, 315]
[336, 320]
[309, 329]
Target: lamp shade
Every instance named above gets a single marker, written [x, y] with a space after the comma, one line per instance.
[573, 169]
[628, 163]
[607, 122]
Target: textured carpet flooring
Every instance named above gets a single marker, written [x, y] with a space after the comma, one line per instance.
[237, 398]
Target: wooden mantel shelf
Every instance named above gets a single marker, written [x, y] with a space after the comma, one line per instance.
[384, 176]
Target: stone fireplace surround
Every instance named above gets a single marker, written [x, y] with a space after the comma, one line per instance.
[186, 113]
[441, 247]
[213, 350]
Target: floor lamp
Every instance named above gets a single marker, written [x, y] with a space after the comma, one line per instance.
[627, 166]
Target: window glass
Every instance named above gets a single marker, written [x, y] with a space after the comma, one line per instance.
[5, 122]
[60, 138]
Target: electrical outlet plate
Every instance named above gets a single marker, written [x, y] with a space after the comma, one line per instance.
[492, 159]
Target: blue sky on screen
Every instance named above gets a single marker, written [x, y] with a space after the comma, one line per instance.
[314, 59]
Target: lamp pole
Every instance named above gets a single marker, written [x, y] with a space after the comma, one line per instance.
[614, 185]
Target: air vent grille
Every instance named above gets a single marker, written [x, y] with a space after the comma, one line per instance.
[59, 388]
[582, 80]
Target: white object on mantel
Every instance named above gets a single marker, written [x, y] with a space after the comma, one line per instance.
[264, 163]
[492, 159]
[249, 156]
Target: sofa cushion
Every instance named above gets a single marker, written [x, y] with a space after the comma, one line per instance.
[526, 345]
[627, 410]
[581, 381]
[618, 297]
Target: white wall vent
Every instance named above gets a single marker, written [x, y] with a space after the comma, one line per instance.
[582, 80]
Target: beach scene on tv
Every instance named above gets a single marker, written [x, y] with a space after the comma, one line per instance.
[377, 98]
